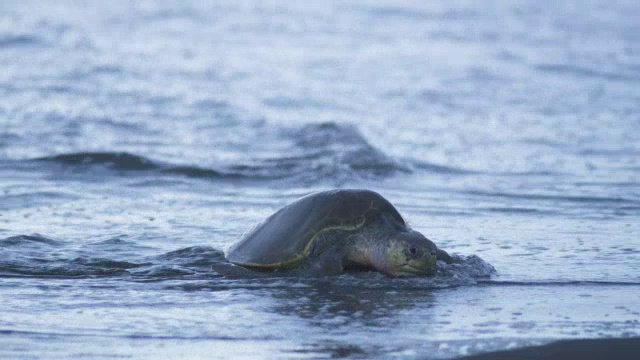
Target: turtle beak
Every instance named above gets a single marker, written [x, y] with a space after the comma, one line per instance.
[413, 268]
[420, 269]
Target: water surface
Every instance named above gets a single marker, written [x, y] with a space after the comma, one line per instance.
[140, 140]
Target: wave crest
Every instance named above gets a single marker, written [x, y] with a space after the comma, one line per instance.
[315, 153]
[113, 160]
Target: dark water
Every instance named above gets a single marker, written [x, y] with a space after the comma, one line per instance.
[140, 140]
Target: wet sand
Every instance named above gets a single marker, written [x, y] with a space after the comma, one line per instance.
[619, 349]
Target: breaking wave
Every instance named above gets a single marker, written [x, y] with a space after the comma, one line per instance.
[312, 153]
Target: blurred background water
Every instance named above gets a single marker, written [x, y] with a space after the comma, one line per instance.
[138, 140]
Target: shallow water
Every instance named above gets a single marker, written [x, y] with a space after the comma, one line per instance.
[138, 141]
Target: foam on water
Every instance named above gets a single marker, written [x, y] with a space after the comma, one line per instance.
[39, 256]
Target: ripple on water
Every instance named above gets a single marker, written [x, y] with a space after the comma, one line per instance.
[32, 255]
[317, 153]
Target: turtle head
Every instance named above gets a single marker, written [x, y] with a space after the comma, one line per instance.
[408, 253]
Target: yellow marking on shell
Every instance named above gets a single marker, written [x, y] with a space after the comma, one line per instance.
[285, 264]
[307, 248]
[300, 257]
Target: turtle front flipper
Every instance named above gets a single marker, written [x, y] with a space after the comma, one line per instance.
[330, 262]
[444, 256]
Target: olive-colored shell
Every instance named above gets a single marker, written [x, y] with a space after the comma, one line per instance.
[285, 238]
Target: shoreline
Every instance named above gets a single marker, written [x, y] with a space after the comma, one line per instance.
[612, 348]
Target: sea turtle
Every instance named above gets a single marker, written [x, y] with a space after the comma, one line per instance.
[328, 232]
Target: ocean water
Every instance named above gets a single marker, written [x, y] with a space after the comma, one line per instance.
[139, 140]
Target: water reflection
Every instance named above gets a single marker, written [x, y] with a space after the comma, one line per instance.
[357, 310]
[335, 304]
